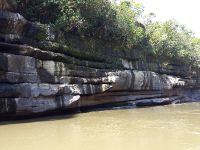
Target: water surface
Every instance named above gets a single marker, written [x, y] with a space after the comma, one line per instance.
[175, 127]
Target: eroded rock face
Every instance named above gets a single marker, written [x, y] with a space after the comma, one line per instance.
[30, 85]
[17, 27]
[12, 23]
[39, 78]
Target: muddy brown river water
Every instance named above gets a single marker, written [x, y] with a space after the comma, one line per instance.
[174, 127]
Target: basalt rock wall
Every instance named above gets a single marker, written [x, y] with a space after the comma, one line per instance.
[41, 73]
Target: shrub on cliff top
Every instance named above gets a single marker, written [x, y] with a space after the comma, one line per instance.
[98, 18]
[173, 41]
[102, 19]
[115, 22]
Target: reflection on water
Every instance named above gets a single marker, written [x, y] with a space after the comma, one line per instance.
[175, 127]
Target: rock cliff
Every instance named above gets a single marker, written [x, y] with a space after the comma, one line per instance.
[42, 70]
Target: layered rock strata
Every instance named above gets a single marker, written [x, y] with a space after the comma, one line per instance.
[39, 73]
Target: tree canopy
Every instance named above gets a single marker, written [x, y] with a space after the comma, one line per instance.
[116, 22]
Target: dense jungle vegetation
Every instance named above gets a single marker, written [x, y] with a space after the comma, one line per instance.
[117, 22]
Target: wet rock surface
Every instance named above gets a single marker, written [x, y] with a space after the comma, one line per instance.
[39, 75]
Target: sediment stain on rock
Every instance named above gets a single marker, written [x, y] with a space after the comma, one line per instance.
[39, 78]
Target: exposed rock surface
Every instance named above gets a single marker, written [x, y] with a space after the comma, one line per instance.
[39, 73]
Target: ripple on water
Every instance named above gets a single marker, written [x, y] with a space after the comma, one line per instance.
[174, 127]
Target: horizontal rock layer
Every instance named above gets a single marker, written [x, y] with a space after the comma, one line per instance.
[39, 73]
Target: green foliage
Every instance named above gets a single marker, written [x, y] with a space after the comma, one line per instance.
[98, 18]
[173, 41]
[102, 19]
[127, 13]
[38, 10]
[195, 53]
[116, 23]
[69, 13]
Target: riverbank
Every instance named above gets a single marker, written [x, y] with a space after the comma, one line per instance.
[44, 71]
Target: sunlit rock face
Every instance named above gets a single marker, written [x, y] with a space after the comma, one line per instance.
[40, 74]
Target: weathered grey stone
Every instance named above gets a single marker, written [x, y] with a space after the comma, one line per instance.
[79, 80]
[157, 101]
[3, 63]
[139, 79]
[156, 81]
[41, 105]
[85, 89]
[7, 90]
[21, 64]
[38, 73]
[108, 99]
[27, 90]
[127, 64]
[49, 66]
[47, 55]
[16, 39]
[123, 80]
[145, 80]
[29, 106]
[77, 71]
[12, 23]
[12, 77]
[191, 95]
[40, 32]
[7, 106]
[67, 100]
